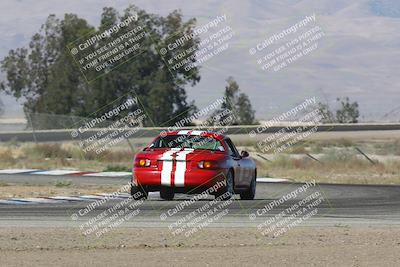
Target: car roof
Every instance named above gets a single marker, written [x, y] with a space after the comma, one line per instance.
[215, 135]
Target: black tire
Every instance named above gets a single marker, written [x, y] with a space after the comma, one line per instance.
[138, 192]
[227, 192]
[250, 193]
[167, 193]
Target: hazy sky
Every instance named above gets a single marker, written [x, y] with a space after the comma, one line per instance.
[357, 57]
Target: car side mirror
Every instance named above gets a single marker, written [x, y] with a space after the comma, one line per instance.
[244, 154]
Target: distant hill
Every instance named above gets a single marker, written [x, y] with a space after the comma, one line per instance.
[358, 57]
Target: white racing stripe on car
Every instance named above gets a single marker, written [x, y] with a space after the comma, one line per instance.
[189, 132]
[196, 132]
[167, 165]
[181, 167]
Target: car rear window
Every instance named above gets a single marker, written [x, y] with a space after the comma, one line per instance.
[188, 141]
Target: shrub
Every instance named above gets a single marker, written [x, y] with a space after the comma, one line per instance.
[46, 151]
[6, 155]
[62, 183]
[117, 168]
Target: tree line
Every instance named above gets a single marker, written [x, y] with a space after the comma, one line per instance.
[48, 80]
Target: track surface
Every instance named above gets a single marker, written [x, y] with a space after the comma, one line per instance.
[342, 205]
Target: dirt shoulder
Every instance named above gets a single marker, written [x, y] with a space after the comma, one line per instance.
[302, 246]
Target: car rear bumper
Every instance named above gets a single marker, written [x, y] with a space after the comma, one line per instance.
[192, 179]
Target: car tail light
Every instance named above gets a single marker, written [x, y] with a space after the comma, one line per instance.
[142, 162]
[207, 164]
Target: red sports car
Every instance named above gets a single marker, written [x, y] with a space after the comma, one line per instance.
[193, 162]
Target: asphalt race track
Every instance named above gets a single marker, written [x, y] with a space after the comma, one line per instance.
[341, 205]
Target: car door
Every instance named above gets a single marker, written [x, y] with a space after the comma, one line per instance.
[236, 159]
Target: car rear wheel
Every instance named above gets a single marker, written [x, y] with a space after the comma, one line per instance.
[250, 193]
[167, 193]
[227, 192]
[138, 192]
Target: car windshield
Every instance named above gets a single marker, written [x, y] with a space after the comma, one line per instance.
[188, 141]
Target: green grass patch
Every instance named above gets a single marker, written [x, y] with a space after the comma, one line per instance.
[117, 168]
[63, 183]
[3, 184]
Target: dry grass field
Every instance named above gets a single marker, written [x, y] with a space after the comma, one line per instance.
[331, 161]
